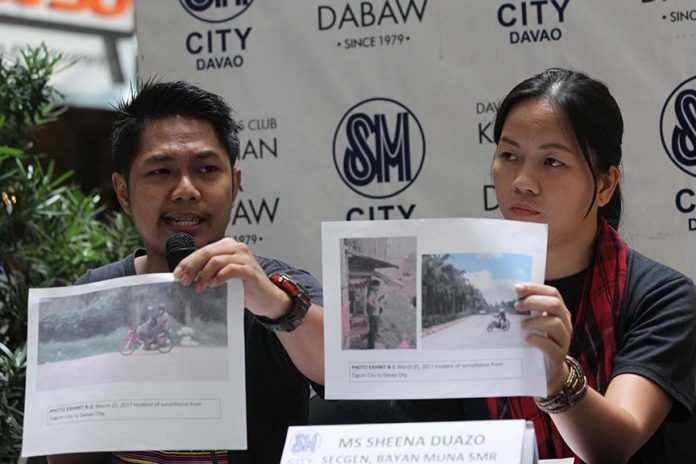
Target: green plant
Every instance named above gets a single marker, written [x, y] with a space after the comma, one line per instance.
[13, 366]
[26, 99]
[50, 232]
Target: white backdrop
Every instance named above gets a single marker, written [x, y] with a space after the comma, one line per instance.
[383, 109]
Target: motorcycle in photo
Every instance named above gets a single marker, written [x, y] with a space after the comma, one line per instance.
[499, 322]
[161, 342]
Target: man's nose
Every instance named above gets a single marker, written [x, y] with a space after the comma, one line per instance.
[185, 190]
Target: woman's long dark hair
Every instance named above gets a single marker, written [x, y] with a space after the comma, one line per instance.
[592, 113]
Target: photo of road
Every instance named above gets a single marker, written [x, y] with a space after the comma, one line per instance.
[477, 331]
[468, 300]
[138, 333]
[181, 364]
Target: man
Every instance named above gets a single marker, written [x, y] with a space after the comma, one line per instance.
[174, 146]
[373, 311]
[148, 329]
[162, 320]
[502, 318]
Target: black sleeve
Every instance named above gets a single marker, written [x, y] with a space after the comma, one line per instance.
[657, 332]
[309, 282]
[121, 268]
[304, 278]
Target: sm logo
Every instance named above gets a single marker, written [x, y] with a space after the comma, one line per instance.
[678, 126]
[305, 442]
[215, 11]
[379, 148]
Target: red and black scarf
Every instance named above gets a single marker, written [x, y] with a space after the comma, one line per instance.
[592, 344]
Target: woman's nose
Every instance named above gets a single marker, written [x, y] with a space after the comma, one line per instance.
[525, 182]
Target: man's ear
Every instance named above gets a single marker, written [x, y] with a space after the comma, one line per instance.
[606, 185]
[121, 189]
[236, 182]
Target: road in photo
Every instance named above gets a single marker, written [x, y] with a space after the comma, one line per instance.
[473, 332]
[181, 364]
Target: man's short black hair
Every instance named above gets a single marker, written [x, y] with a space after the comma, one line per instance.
[157, 100]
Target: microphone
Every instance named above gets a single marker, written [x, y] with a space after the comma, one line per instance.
[179, 246]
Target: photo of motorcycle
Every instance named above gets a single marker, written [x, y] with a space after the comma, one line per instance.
[162, 342]
[499, 323]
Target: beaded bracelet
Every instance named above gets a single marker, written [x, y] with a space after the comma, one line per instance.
[572, 391]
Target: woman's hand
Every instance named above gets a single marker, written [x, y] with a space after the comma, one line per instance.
[550, 329]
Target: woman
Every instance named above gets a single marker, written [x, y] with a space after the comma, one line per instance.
[617, 330]
[629, 322]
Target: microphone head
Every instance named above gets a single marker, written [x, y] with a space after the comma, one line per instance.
[179, 246]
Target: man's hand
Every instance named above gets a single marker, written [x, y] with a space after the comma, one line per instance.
[226, 259]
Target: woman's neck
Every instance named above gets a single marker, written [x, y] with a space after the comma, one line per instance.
[568, 257]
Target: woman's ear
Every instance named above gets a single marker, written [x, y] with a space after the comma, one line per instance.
[121, 189]
[606, 185]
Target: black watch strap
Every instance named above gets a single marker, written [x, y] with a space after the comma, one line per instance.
[300, 305]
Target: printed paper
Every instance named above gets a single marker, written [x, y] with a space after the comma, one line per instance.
[135, 363]
[425, 308]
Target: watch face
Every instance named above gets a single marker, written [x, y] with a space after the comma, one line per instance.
[300, 305]
[286, 284]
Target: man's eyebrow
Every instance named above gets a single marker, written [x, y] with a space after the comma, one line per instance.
[161, 158]
[157, 159]
[206, 154]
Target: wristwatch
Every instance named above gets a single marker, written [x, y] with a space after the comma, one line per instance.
[300, 304]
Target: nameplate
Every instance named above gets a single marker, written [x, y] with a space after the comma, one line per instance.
[491, 442]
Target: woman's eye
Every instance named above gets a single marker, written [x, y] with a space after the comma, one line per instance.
[553, 162]
[506, 155]
[156, 172]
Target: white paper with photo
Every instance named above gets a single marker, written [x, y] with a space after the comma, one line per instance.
[424, 308]
[134, 363]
